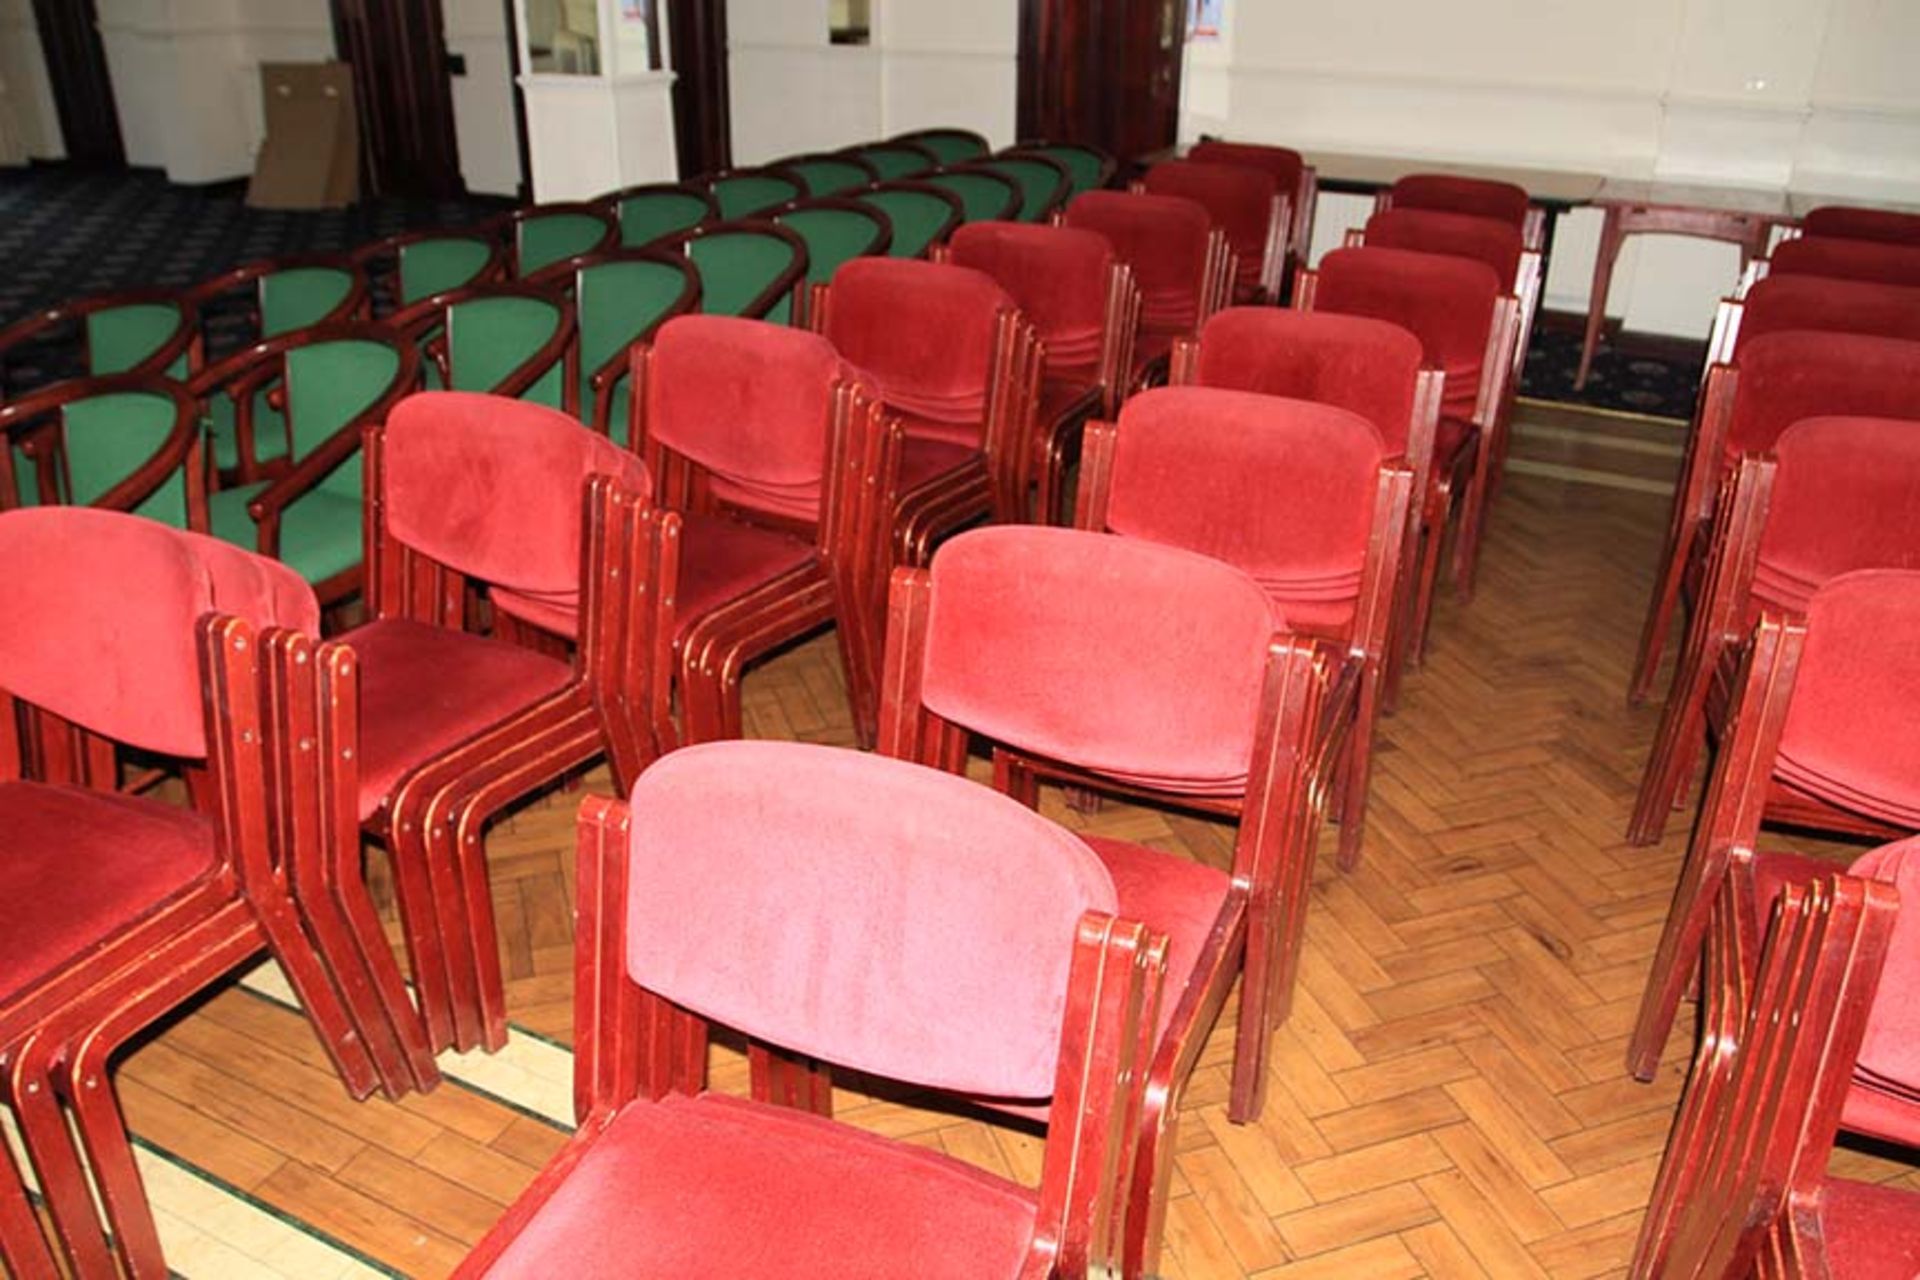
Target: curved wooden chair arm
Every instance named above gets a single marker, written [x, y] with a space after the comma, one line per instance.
[782, 285]
[25, 416]
[179, 343]
[353, 304]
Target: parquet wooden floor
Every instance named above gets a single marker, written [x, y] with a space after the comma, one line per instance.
[1448, 1099]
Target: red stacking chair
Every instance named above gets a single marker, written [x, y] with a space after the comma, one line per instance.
[1179, 261]
[1304, 497]
[1208, 705]
[466, 491]
[854, 911]
[1869, 260]
[1296, 180]
[1477, 196]
[1368, 367]
[1780, 378]
[1838, 495]
[1465, 324]
[1819, 735]
[116, 908]
[1845, 222]
[1823, 303]
[1245, 203]
[1085, 310]
[1743, 1188]
[953, 356]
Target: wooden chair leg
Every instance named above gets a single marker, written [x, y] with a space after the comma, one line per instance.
[64, 1189]
[1152, 1177]
[23, 1248]
[1359, 769]
[1675, 747]
[406, 846]
[1660, 611]
[1439, 512]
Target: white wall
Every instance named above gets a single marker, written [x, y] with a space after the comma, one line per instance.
[483, 98]
[186, 76]
[1817, 94]
[29, 124]
[932, 62]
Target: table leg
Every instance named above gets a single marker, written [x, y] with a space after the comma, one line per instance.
[1610, 239]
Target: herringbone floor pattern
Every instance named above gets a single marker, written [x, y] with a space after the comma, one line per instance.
[1448, 1098]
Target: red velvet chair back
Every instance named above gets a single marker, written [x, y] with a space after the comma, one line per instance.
[1367, 366]
[1891, 1048]
[1845, 497]
[1497, 243]
[1784, 377]
[1238, 198]
[749, 401]
[100, 612]
[1867, 260]
[1284, 163]
[865, 911]
[1845, 222]
[1830, 305]
[922, 331]
[1476, 196]
[1283, 489]
[1444, 301]
[1139, 661]
[492, 487]
[1058, 275]
[1164, 240]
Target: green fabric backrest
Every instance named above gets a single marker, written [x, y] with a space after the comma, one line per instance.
[833, 236]
[651, 214]
[951, 148]
[751, 193]
[893, 162]
[434, 266]
[917, 219]
[118, 338]
[488, 338]
[109, 436]
[735, 266]
[616, 302]
[328, 384]
[300, 297]
[1083, 166]
[547, 238]
[1037, 183]
[828, 177]
[981, 196]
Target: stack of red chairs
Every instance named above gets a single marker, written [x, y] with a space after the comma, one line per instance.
[1247, 205]
[1179, 260]
[1296, 180]
[1477, 197]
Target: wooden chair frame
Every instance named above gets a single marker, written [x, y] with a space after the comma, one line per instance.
[788, 284]
[202, 297]
[776, 171]
[916, 137]
[433, 819]
[610, 205]
[373, 261]
[38, 327]
[508, 226]
[828, 157]
[1041, 146]
[633, 1047]
[1274, 253]
[811, 296]
[36, 425]
[1306, 709]
[605, 380]
[1009, 210]
[859, 149]
[957, 214]
[426, 323]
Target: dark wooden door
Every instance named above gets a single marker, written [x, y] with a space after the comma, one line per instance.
[398, 49]
[1102, 72]
[703, 130]
[82, 89]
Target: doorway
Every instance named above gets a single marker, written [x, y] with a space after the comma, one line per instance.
[1101, 72]
[401, 86]
[82, 88]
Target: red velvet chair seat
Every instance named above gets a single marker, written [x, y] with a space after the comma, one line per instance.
[1873, 1232]
[1850, 735]
[426, 689]
[1062, 396]
[1169, 894]
[76, 865]
[724, 1187]
[722, 560]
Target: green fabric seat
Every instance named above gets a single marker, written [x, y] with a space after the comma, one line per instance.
[300, 297]
[983, 196]
[269, 432]
[735, 268]
[893, 162]
[616, 304]
[1086, 170]
[119, 338]
[106, 439]
[547, 238]
[489, 338]
[833, 236]
[918, 219]
[1039, 184]
[434, 266]
[319, 535]
[826, 176]
[645, 216]
[745, 194]
[950, 147]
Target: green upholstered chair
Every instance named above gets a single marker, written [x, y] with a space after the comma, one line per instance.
[922, 214]
[1045, 184]
[742, 193]
[415, 265]
[836, 230]
[619, 298]
[508, 339]
[949, 146]
[335, 380]
[283, 296]
[986, 196]
[1088, 168]
[540, 235]
[830, 173]
[656, 210]
[139, 331]
[127, 442]
[895, 160]
[747, 268]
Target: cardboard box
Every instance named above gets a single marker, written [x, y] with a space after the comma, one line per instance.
[311, 156]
